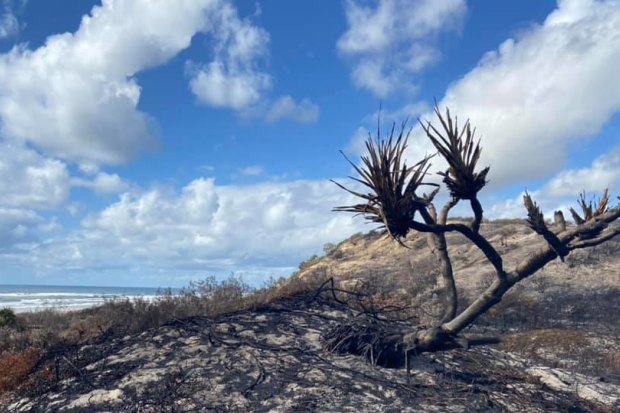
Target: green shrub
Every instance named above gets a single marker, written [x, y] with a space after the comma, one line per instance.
[7, 318]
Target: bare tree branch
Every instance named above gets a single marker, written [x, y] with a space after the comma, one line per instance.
[443, 217]
[478, 212]
[485, 246]
[601, 238]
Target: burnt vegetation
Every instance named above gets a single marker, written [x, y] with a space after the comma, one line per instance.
[39, 349]
[402, 198]
[254, 360]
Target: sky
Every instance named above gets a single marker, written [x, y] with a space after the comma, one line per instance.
[154, 142]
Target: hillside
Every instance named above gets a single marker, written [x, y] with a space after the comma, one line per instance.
[561, 347]
[374, 257]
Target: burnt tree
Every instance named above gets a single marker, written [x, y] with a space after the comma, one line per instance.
[397, 200]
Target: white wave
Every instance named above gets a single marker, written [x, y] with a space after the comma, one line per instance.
[51, 294]
[67, 304]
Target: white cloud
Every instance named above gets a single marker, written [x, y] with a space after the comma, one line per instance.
[102, 183]
[216, 85]
[88, 168]
[392, 40]
[76, 97]
[29, 184]
[369, 73]
[532, 98]
[206, 228]
[536, 93]
[235, 79]
[17, 226]
[603, 173]
[9, 24]
[285, 107]
[563, 189]
[29, 180]
[254, 170]
[232, 79]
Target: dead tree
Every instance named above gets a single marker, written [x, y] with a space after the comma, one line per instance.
[396, 201]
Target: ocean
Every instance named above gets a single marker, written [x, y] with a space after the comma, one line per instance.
[22, 298]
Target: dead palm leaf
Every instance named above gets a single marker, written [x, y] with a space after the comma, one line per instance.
[590, 210]
[461, 153]
[535, 218]
[392, 200]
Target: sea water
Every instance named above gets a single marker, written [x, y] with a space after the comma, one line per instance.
[22, 298]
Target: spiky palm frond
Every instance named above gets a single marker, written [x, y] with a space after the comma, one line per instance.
[535, 218]
[392, 200]
[589, 209]
[461, 153]
[536, 221]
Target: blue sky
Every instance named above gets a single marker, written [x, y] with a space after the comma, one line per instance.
[148, 143]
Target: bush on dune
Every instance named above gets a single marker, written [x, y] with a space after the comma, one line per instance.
[7, 318]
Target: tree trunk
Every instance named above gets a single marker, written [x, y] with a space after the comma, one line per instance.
[486, 300]
[450, 297]
[444, 336]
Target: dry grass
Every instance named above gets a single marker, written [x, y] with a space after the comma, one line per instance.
[614, 359]
[16, 366]
[550, 339]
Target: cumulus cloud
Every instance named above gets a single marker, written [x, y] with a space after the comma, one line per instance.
[536, 93]
[218, 86]
[563, 189]
[29, 180]
[17, 226]
[392, 40]
[76, 97]
[74, 100]
[102, 183]
[232, 79]
[29, 184]
[603, 173]
[285, 107]
[206, 227]
[235, 79]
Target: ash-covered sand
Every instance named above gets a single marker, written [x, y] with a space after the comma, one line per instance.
[273, 360]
